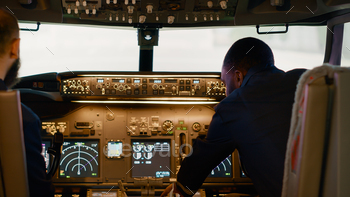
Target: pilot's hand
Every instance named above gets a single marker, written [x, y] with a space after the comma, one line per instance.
[168, 189]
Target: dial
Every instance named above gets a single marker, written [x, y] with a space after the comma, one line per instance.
[148, 155]
[224, 169]
[196, 127]
[137, 147]
[79, 159]
[137, 155]
[121, 88]
[148, 148]
[168, 125]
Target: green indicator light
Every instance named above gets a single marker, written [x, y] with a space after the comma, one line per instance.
[62, 173]
[83, 143]
[67, 177]
[94, 174]
[228, 173]
[181, 122]
[178, 128]
[184, 128]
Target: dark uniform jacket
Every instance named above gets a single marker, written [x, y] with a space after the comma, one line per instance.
[255, 120]
[39, 185]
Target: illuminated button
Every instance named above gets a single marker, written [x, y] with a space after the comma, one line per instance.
[182, 88]
[188, 88]
[188, 82]
[113, 91]
[161, 92]
[144, 86]
[136, 92]
[181, 81]
[155, 92]
[144, 91]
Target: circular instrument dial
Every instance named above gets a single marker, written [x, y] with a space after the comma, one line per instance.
[168, 125]
[196, 127]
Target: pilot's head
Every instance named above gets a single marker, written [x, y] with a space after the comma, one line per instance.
[9, 47]
[244, 54]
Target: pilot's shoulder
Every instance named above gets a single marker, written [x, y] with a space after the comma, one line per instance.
[28, 115]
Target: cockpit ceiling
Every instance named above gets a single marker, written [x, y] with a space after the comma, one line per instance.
[177, 13]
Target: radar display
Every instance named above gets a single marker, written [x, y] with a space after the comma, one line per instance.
[224, 169]
[79, 159]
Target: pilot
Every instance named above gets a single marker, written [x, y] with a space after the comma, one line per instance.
[39, 185]
[254, 118]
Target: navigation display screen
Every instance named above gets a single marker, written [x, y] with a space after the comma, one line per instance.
[45, 146]
[150, 158]
[223, 170]
[79, 159]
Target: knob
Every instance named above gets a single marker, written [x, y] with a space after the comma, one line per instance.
[84, 3]
[196, 127]
[205, 17]
[121, 88]
[186, 16]
[61, 129]
[126, 2]
[115, 1]
[142, 19]
[195, 18]
[210, 4]
[94, 10]
[171, 19]
[98, 86]
[211, 17]
[197, 87]
[77, 3]
[84, 83]
[223, 4]
[123, 18]
[110, 17]
[87, 11]
[76, 11]
[157, 18]
[173, 89]
[130, 19]
[130, 9]
[133, 2]
[117, 17]
[149, 9]
[108, 1]
[155, 86]
[72, 87]
[69, 11]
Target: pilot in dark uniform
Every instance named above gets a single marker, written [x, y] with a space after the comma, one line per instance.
[39, 185]
[254, 118]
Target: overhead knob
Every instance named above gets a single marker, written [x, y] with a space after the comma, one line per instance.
[171, 19]
[69, 10]
[223, 4]
[142, 19]
[210, 4]
[149, 9]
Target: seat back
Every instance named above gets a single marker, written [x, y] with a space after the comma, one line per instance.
[317, 157]
[13, 169]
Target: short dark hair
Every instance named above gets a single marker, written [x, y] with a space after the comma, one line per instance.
[248, 52]
[8, 30]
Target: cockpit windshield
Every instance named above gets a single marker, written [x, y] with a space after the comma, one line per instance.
[61, 48]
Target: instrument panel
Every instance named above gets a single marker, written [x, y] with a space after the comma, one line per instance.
[140, 87]
[115, 137]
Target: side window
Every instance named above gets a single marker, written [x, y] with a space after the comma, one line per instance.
[345, 58]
